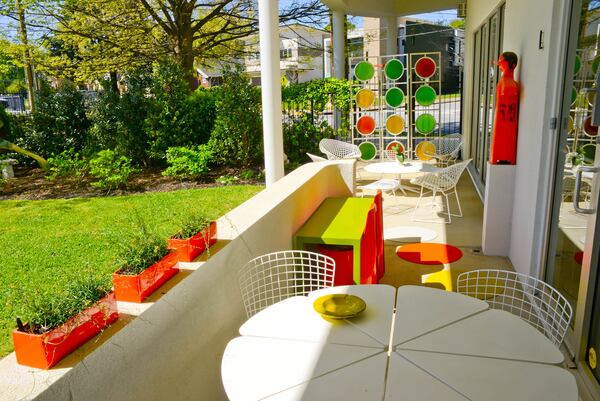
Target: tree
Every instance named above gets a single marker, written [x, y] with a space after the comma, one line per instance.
[112, 35]
[458, 23]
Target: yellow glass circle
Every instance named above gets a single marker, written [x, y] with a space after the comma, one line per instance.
[395, 124]
[365, 98]
[425, 150]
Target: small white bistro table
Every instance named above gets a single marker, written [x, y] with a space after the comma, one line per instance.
[414, 344]
[399, 169]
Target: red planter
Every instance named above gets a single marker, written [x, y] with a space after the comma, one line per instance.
[136, 288]
[190, 248]
[45, 350]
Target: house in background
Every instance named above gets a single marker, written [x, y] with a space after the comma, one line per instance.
[412, 36]
[300, 51]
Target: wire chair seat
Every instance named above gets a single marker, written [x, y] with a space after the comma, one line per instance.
[527, 297]
[276, 276]
[336, 150]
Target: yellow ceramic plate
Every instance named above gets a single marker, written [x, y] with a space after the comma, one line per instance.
[339, 306]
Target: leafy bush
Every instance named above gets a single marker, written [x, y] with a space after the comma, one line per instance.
[68, 164]
[111, 170]
[237, 136]
[177, 118]
[301, 136]
[3, 182]
[141, 253]
[192, 226]
[45, 311]
[227, 180]
[248, 175]
[59, 122]
[118, 120]
[188, 162]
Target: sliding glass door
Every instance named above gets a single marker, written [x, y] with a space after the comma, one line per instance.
[488, 45]
[574, 238]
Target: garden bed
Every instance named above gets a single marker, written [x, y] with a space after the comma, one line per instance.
[31, 184]
[46, 244]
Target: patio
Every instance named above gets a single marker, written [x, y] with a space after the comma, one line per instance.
[464, 233]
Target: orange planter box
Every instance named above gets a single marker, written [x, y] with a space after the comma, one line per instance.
[136, 288]
[188, 249]
[45, 350]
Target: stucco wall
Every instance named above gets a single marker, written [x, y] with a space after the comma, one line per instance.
[173, 350]
[538, 75]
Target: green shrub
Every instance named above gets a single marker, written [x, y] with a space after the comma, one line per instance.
[248, 175]
[45, 311]
[176, 117]
[192, 226]
[3, 182]
[118, 120]
[227, 180]
[301, 136]
[188, 162]
[68, 164]
[237, 136]
[111, 170]
[141, 253]
[59, 122]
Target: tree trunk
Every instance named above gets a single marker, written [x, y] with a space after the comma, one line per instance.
[26, 54]
[185, 46]
[114, 82]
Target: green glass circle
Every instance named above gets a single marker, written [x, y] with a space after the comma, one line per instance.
[368, 151]
[394, 97]
[394, 69]
[425, 95]
[573, 95]
[425, 123]
[577, 65]
[588, 152]
[595, 64]
[364, 71]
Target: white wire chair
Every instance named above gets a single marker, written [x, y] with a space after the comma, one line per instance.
[447, 149]
[336, 150]
[534, 301]
[444, 182]
[276, 276]
[315, 158]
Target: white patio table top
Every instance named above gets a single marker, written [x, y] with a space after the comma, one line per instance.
[397, 168]
[412, 344]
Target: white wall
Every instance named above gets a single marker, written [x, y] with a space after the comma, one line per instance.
[537, 73]
[173, 350]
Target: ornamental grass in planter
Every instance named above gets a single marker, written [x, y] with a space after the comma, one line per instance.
[144, 266]
[197, 234]
[59, 324]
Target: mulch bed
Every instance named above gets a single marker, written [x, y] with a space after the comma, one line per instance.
[31, 184]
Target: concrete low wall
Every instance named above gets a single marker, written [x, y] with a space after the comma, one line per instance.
[173, 350]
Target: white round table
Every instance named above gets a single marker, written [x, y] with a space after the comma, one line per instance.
[414, 344]
[399, 169]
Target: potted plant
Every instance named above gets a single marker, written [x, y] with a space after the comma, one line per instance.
[143, 267]
[399, 151]
[196, 235]
[57, 325]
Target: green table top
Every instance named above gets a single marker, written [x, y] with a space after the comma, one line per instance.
[337, 220]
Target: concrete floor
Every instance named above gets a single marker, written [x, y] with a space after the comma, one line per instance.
[464, 233]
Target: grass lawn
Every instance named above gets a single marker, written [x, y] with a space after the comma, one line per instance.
[45, 244]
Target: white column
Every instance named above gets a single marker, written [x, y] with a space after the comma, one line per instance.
[268, 25]
[338, 44]
[391, 42]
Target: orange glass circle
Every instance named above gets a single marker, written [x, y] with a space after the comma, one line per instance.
[365, 98]
[365, 125]
[394, 124]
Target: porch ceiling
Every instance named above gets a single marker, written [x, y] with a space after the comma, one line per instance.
[382, 8]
